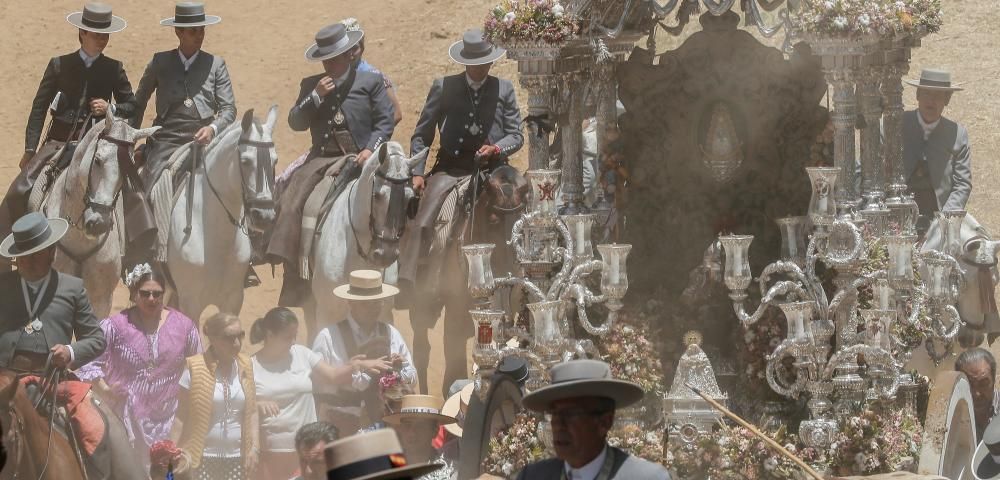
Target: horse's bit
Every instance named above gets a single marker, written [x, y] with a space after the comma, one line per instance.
[265, 178]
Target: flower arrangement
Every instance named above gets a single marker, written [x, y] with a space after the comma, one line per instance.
[849, 18]
[390, 385]
[633, 357]
[700, 459]
[876, 442]
[529, 21]
[638, 442]
[163, 456]
[513, 448]
[759, 341]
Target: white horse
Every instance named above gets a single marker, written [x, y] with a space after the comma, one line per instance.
[86, 194]
[363, 229]
[233, 195]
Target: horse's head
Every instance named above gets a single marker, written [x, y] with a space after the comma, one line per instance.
[257, 160]
[107, 159]
[506, 192]
[388, 169]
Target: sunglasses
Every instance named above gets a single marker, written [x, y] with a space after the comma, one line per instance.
[155, 294]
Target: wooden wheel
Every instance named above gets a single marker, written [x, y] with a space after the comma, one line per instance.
[949, 431]
[483, 419]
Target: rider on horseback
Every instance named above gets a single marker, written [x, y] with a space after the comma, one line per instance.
[480, 126]
[44, 310]
[77, 88]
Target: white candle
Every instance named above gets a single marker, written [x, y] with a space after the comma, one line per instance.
[821, 205]
[883, 297]
[738, 261]
[793, 249]
[800, 328]
[477, 274]
[613, 273]
[580, 237]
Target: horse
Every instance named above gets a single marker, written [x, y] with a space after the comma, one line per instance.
[504, 196]
[362, 229]
[86, 194]
[209, 258]
[35, 451]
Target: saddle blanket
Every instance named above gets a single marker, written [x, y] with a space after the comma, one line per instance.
[88, 423]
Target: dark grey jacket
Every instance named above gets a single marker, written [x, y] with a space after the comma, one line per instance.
[65, 312]
[625, 467]
[448, 108]
[949, 161]
[206, 82]
[367, 110]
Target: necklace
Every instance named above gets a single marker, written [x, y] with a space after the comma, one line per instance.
[227, 399]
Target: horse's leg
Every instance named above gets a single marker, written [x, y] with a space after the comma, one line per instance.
[423, 316]
[457, 331]
[309, 314]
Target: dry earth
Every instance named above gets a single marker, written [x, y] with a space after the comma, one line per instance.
[263, 40]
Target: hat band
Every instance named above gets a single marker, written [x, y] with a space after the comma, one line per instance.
[364, 291]
[35, 239]
[925, 82]
[368, 466]
[419, 410]
[189, 18]
[94, 24]
[475, 54]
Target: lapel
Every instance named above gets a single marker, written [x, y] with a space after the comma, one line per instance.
[47, 296]
[490, 96]
[913, 138]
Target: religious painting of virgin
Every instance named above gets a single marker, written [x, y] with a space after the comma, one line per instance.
[721, 130]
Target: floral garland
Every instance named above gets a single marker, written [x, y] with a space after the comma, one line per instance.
[633, 357]
[529, 21]
[847, 18]
[512, 449]
[876, 442]
[638, 442]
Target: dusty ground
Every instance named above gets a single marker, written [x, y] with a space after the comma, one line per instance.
[263, 42]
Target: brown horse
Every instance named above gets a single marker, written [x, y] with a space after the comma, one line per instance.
[502, 198]
[34, 451]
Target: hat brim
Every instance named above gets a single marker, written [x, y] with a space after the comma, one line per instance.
[622, 392]
[343, 292]
[983, 454]
[397, 418]
[411, 471]
[453, 408]
[455, 52]
[8, 248]
[117, 23]
[315, 53]
[916, 83]
[209, 20]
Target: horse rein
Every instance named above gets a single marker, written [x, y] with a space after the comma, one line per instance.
[265, 178]
[396, 224]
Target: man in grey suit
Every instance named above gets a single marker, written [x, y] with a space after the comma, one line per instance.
[580, 404]
[194, 96]
[936, 157]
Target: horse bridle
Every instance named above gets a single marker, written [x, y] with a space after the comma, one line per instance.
[125, 165]
[265, 178]
[395, 216]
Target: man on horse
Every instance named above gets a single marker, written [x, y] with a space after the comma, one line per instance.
[79, 89]
[44, 310]
[348, 113]
[480, 126]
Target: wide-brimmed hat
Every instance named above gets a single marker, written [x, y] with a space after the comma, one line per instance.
[582, 378]
[474, 49]
[97, 18]
[985, 465]
[32, 233]
[457, 406]
[419, 406]
[333, 40]
[365, 285]
[375, 455]
[934, 79]
[190, 14]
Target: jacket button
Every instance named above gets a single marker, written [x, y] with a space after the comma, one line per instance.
[460, 140]
[326, 135]
[456, 152]
[329, 122]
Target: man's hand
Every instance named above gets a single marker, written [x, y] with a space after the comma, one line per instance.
[374, 366]
[418, 183]
[25, 159]
[325, 86]
[487, 152]
[204, 135]
[60, 356]
[363, 157]
[268, 409]
[99, 107]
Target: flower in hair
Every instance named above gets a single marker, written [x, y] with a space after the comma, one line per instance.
[137, 272]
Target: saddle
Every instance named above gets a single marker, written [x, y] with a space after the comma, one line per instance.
[164, 194]
[316, 209]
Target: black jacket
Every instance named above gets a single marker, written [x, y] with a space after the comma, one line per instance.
[367, 110]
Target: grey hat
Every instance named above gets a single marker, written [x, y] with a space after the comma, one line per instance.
[32, 233]
[331, 41]
[474, 49]
[985, 465]
[190, 14]
[97, 18]
[583, 378]
[934, 79]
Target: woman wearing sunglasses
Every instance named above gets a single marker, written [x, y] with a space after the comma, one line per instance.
[139, 371]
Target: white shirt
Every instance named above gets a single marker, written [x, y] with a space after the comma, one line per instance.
[87, 59]
[224, 435]
[187, 61]
[474, 84]
[928, 127]
[588, 471]
[290, 386]
[329, 344]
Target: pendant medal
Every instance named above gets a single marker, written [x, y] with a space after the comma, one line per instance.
[188, 102]
[36, 325]
[338, 118]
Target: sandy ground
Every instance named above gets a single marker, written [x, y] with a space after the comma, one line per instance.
[263, 42]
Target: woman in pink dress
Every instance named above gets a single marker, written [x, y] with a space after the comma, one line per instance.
[140, 368]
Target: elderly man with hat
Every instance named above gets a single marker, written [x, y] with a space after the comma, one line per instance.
[363, 349]
[417, 423]
[47, 320]
[580, 403]
[348, 114]
[78, 90]
[194, 95]
[479, 123]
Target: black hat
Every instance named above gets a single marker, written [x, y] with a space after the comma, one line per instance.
[515, 368]
[474, 49]
[32, 233]
[331, 41]
[985, 465]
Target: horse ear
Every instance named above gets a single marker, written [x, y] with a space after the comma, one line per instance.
[383, 152]
[418, 158]
[272, 118]
[108, 120]
[247, 122]
[144, 133]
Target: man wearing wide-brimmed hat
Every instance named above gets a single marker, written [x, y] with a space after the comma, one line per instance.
[936, 158]
[365, 349]
[479, 123]
[375, 455]
[417, 423]
[348, 114]
[194, 95]
[79, 89]
[580, 404]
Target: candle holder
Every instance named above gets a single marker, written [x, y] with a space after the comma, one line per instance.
[793, 242]
[544, 185]
[900, 271]
[547, 332]
[580, 226]
[481, 283]
[822, 204]
[736, 273]
[951, 228]
[614, 271]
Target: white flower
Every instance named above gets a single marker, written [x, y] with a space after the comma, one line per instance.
[651, 437]
[509, 17]
[557, 10]
[840, 22]
[508, 468]
[770, 464]
[864, 19]
[828, 5]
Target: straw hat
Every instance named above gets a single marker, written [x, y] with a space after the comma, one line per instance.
[365, 285]
[457, 406]
[420, 407]
[97, 18]
[375, 455]
[583, 378]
